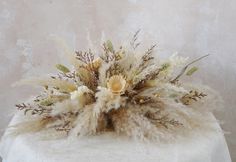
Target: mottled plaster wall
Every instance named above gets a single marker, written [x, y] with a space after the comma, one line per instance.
[191, 27]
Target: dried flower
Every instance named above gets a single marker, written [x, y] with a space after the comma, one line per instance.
[116, 84]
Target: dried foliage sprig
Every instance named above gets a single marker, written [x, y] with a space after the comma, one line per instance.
[192, 96]
[164, 120]
[118, 91]
[33, 109]
[85, 57]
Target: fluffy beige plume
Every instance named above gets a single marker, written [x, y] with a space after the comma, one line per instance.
[65, 106]
[33, 125]
[83, 95]
[171, 64]
[131, 63]
[191, 119]
[86, 123]
[103, 73]
[107, 101]
[177, 61]
[103, 97]
[70, 54]
[165, 90]
[146, 72]
[129, 60]
[135, 126]
[78, 99]
[64, 86]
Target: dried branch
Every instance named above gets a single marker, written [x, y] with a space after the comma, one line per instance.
[34, 109]
[114, 69]
[150, 76]
[66, 121]
[66, 76]
[146, 58]
[85, 57]
[163, 121]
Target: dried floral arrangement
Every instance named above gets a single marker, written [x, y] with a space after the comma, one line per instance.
[122, 90]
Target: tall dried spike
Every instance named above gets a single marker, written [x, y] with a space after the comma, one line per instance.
[134, 44]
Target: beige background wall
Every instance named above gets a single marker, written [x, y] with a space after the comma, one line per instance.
[191, 27]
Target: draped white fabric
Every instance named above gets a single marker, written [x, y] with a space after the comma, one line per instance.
[198, 147]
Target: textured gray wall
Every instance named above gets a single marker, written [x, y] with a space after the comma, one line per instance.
[191, 27]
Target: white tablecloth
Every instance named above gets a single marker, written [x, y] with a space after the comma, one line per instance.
[207, 147]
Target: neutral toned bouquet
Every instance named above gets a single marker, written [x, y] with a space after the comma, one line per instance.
[122, 90]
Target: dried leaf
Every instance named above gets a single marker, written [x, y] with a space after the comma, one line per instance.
[191, 71]
[62, 68]
[109, 46]
[46, 102]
